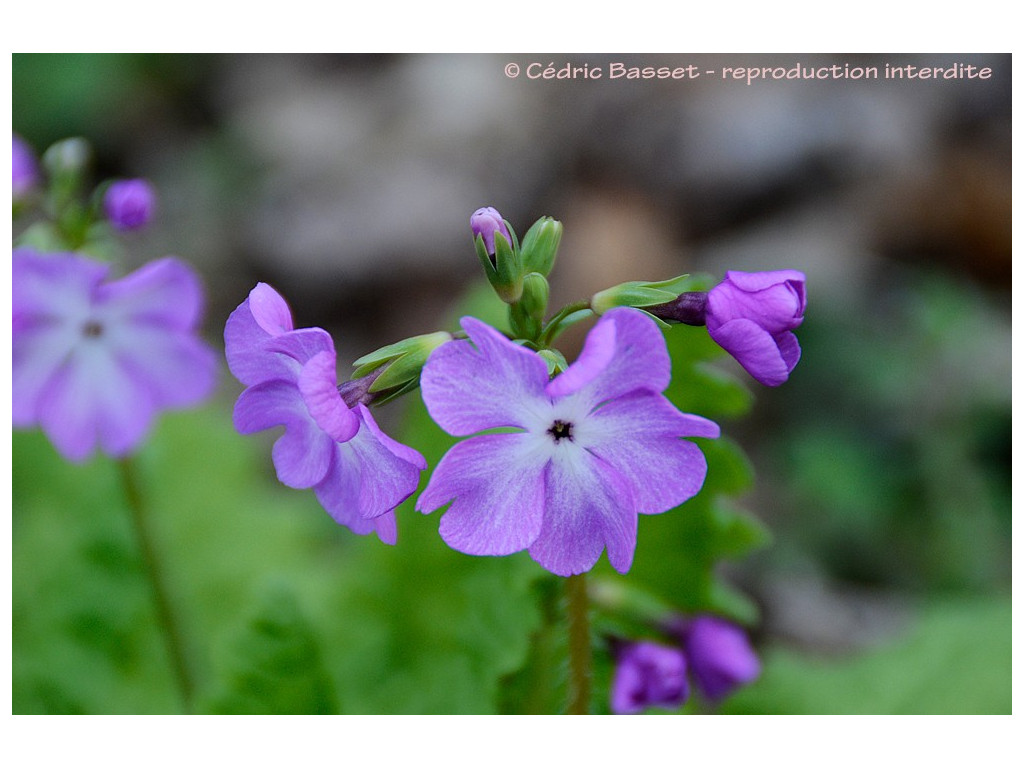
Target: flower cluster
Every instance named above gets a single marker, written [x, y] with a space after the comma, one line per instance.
[358, 473]
[716, 652]
[95, 359]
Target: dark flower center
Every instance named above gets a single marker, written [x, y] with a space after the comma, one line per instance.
[560, 429]
[92, 329]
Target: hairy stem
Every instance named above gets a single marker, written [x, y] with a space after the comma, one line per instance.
[579, 644]
[165, 616]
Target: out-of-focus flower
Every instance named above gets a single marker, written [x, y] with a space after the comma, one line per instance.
[720, 656]
[752, 315]
[358, 473]
[648, 675]
[95, 360]
[592, 448]
[485, 222]
[130, 203]
[24, 168]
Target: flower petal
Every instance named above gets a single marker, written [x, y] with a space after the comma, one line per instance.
[754, 348]
[303, 454]
[495, 484]
[269, 310]
[339, 492]
[587, 508]
[319, 389]
[165, 293]
[487, 382]
[625, 351]
[639, 436]
[789, 348]
[92, 400]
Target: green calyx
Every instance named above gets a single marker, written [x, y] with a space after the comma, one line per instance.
[540, 245]
[401, 362]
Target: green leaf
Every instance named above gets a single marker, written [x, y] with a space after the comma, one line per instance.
[275, 665]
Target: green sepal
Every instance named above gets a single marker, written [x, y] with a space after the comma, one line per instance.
[639, 293]
[540, 245]
[394, 395]
[556, 361]
[527, 315]
[423, 345]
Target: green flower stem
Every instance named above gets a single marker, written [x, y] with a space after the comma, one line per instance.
[566, 316]
[579, 644]
[165, 616]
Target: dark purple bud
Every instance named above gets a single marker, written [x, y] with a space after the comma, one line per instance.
[648, 675]
[130, 204]
[24, 168]
[751, 315]
[485, 222]
[720, 656]
[687, 308]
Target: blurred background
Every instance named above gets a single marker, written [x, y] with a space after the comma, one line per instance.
[347, 182]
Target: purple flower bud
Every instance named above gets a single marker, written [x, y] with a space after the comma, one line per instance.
[751, 315]
[24, 168]
[485, 222]
[720, 656]
[130, 204]
[648, 675]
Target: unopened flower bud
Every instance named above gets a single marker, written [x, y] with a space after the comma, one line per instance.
[24, 168]
[527, 314]
[751, 315]
[130, 203]
[648, 675]
[720, 656]
[498, 251]
[485, 222]
[68, 157]
[540, 245]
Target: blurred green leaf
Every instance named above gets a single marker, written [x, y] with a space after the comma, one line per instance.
[956, 660]
[275, 665]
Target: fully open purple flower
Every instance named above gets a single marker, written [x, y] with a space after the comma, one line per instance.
[94, 360]
[648, 675]
[720, 656]
[591, 449]
[24, 168]
[130, 203]
[358, 473]
[752, 315]
[485, 222]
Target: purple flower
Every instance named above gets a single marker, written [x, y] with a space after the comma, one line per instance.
[648, 675]
[720, 656]
[130, 204]
[24, 169]
[485, 222]
[94, 360]
[591, 449]
[752, 315]
[358, 473]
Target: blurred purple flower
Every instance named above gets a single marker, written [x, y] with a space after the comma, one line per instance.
[648, 675]
[24, 168]
[752, 315]
[130, 203]
[720, 656]
[358, 473]
[591, 449]
[485, 222]
[95, 360]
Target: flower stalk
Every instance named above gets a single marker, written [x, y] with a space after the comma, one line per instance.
[173, 638]
[580, 672]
